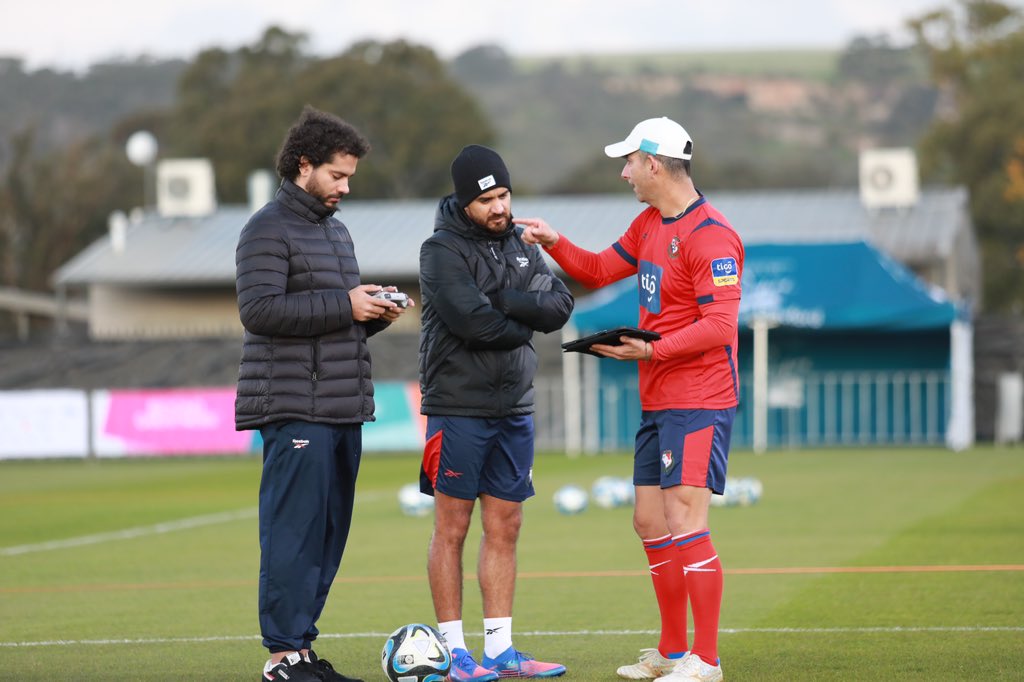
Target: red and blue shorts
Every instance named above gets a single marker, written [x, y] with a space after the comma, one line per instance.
[683, 447]
[468, 456]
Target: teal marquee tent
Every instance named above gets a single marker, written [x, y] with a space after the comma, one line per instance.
[862, 351]
[806, 286]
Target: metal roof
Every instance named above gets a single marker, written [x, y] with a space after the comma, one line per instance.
[188, 252]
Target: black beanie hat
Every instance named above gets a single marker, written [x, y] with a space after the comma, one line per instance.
[475, 170]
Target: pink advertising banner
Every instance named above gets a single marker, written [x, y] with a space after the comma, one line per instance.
[167, 422]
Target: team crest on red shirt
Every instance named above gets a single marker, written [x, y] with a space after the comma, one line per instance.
[666, 459]
[673, 247]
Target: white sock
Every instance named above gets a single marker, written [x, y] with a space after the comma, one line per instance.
[290, 659]
[452, 632]
[497, 636]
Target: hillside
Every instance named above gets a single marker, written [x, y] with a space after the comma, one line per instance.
[807, 64]
[759, 119]
[59, 108]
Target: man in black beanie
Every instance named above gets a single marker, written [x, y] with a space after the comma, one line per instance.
[484, 293]
[475, 170]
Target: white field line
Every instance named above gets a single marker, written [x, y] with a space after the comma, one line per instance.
[535, 633]
[129, 533]
[143, 531]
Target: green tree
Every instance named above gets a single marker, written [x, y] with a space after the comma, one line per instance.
[52, 206]
[416, 117]
[234, 107]
[976, 54]
[483, 64]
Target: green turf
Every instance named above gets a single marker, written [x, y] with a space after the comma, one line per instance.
[181, 603]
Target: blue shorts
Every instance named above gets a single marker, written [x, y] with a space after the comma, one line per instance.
[468, 456]
[683, 447]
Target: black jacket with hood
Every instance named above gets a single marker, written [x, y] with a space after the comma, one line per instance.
[304, 357]
[483, 296]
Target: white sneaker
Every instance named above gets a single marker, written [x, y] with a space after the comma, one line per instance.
[651, 664]
[692, 669]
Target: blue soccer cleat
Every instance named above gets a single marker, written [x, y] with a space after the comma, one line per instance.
[465, 669]
[512, 663]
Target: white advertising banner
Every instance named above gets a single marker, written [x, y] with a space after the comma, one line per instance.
[44, 423]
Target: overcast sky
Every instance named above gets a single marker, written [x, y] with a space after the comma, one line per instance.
[73, 34]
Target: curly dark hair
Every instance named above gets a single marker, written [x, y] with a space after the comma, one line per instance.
[318, 136]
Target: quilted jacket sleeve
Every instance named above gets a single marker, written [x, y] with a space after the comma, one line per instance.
[264, 304]
[461, 306]
[546, 304]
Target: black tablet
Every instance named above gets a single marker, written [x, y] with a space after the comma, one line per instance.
[608, 337]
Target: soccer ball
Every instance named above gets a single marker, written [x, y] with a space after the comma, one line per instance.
[750, 490]
[628, 491]
[570, 499]
[413, 502]
[604, 492]
[728, 496]
[739, 492]
[610, 491]
[416, 653]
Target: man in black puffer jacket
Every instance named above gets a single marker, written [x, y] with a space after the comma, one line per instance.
[304, 382]
[484, 294]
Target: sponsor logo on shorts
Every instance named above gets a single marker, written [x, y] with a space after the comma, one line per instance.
[299, 443]
[666, 459]
[452, 474]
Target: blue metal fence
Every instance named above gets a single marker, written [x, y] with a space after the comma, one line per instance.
[817, 409]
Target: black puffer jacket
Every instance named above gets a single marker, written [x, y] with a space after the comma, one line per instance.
[303, 357]
[483, 296]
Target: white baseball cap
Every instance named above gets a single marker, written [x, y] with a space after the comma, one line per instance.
[655, 136]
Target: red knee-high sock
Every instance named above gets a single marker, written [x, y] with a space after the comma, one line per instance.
[703, 573]
[670, 590]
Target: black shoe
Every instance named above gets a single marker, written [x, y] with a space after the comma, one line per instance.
[326, 671]
[292, 669]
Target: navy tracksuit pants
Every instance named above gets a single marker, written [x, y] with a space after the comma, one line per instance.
[306, 496]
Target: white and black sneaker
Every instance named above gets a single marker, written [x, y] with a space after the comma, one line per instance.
[326, 671]
[292, 668]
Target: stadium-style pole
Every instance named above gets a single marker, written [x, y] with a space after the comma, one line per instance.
[571, 393]
[761, 325]
[960, 429]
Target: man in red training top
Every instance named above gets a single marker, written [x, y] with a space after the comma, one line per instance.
[688, 262]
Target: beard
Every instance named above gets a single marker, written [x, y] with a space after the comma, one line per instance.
[316, 190]
[496, 224]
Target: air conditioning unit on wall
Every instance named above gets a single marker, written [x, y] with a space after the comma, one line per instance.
[184, 188]
[888, 178]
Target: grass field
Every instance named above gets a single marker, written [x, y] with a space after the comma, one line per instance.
[855, 565]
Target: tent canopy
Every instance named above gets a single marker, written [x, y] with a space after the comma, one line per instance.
[846, 286]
